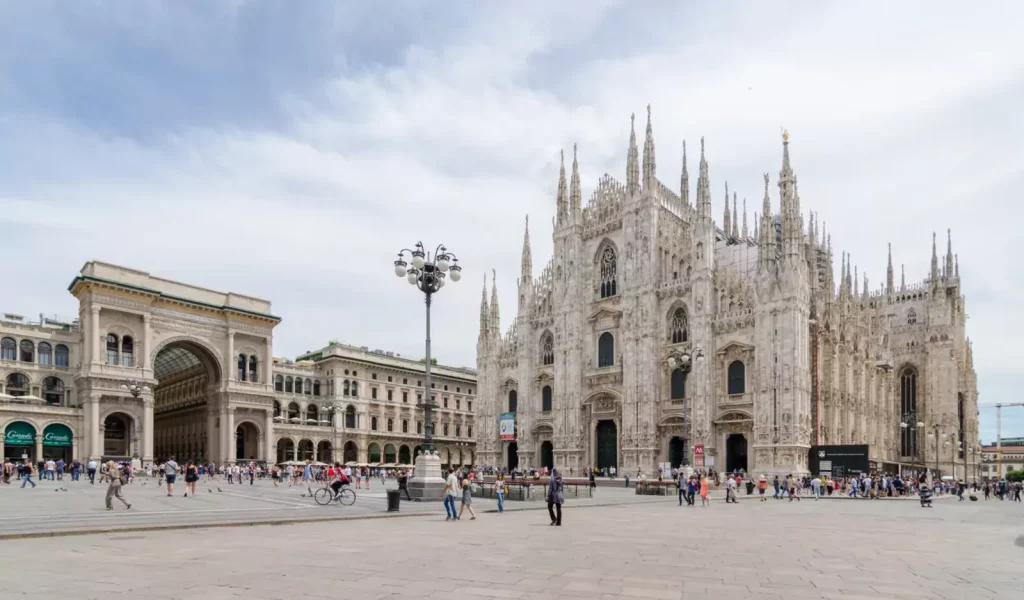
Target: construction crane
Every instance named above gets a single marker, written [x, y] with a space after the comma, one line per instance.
[999, 431]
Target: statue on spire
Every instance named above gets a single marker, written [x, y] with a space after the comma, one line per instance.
[575, 195]
[632, 160]
[649, 160]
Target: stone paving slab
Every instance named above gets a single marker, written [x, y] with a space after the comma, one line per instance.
[647, 550]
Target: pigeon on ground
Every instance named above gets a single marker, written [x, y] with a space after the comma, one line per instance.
[219, 490]
[209, 490]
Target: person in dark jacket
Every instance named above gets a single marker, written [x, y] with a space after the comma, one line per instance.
[555, 497]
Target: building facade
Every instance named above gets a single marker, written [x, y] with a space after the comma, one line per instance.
[213, 390]
[657, 335]
[997, 461]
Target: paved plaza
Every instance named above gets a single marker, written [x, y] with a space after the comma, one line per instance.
[648, 549]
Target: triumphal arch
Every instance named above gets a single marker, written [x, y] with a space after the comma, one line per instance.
[202, 361]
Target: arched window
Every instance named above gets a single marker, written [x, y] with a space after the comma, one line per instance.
[127, 351]
[391, 424]
[679, 326]
[737, 377]
[316, 387]
[350, 417]
[513, 401]
[405, 426]
[606, 350]
[277, 407]
[446, 430]
[241, 367]
[53, 391]
[28, 351]
[458, 430]
[355, 389]
[288, 384]
[254, 370]
[8, 349]
[547, 349]
[344, 387]
[911, 317]
[469, 431]
[17, 385]
[278, 383]
[308, 390]
[293, 411]
[61, 356]
[678, 384]
[373, 423]
[112, 348]
[419, 426]
[608, 273]
[908, 405]
[545, 399]
[45, 354]
[312, 414]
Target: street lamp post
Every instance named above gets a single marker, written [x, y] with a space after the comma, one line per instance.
[908, 421]
[935, 429]
[136, 389]
[428, 273]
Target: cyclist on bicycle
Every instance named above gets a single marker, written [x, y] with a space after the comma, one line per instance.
[340, 479]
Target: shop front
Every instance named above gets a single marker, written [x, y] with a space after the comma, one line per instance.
[19, 442]
[57, 442]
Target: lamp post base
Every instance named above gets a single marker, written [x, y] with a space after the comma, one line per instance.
[427, 483]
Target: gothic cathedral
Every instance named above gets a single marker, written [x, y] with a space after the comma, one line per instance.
[655, 335]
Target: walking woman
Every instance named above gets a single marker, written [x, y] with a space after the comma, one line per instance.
[704, 501]
[467, 498]
[26, 476]
[114, 489]
[556, 497]
[499, 492]
[191, 477]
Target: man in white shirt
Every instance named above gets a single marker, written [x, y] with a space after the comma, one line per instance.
[170, 473]
[91, 470]
[451, 487]
[51, 469]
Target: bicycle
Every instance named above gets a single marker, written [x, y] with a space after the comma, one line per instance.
[326, 495]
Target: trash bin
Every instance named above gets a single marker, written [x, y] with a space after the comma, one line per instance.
[750, 487]
[394, 497]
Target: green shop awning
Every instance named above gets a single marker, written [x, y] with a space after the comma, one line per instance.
[19, 433]
[58, 435]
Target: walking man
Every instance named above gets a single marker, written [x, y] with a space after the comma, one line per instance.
[90, 469]
[451, 487]
[170, 474]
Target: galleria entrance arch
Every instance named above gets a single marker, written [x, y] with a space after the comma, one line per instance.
[203, 360]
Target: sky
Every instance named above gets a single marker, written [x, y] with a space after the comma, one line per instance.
[289, 150]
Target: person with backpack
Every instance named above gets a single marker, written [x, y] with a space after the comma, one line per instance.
[117, 479]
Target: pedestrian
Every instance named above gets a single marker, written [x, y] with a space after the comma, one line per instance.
[499, 492]
[467, 498]
[704, 501]
[762, 487]
[681, 485]
[451, 487]
[403, 484]
[170, 474]
[114, 488]
[816, 488]
[191, 477]
[60, 469]
[555, 497]
[26, 475]
[76, 470]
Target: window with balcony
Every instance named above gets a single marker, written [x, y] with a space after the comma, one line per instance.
[45, 354]
[62, 356]
[112, 349]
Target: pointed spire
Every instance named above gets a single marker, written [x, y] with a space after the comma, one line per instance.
[575, 195]
[495, 313]
[824, 231]
[956, 269]
[903, 278]
[865, 295]
[526, 276]
[842, 274]
[850, 290]
[935, 262]
[484, 310]
[703, 186]
[632, 160]
[757, 229]
[888, 272]
[735, 218]
[726, 221]
[650, 168]
[684, 180]
[766, 247]
[949, 253]
[745, 234]
[563, 200]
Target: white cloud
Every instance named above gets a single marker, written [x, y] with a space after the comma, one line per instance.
[903, 120]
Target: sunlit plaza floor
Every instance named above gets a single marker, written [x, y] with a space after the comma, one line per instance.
[649, 549]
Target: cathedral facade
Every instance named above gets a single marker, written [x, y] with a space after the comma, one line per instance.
[655, 335]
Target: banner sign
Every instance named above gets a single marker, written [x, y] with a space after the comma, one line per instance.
[507, 426]
[19, 433]
[57, 435]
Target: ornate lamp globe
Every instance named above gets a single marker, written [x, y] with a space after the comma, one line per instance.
[417, 258]
[456, 271]
[400, 267]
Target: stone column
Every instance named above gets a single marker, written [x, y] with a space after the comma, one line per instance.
[211, 436]
[147, 349]
[232, 359]
[268, 438]
[230, 435]
[268, 364]
[147, 430]
[95, 436]
[39, 449]
[94, 330]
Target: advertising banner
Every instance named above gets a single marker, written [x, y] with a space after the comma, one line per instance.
[507, 426]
